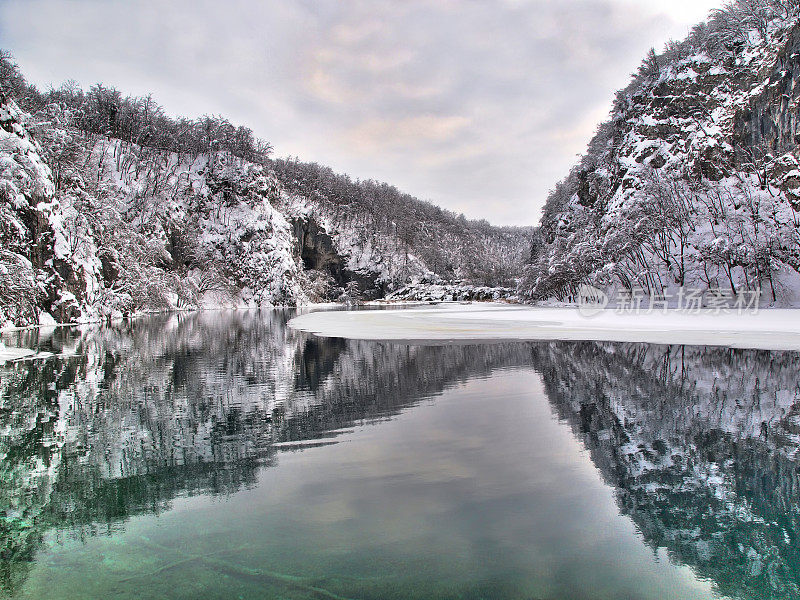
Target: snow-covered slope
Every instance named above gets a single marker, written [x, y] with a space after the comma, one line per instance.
[95, 227]
[39, 266]
[131, 228]
[694, 180]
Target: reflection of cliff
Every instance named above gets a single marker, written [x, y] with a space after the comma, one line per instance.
[701, 446]
[699, 443]
[29, 460]
[372, 380]
[123, 420]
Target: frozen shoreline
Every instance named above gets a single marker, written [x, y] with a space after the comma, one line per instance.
[8, 354]
[769, 329]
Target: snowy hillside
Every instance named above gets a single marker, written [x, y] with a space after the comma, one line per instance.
[694, 180]
[110, 208]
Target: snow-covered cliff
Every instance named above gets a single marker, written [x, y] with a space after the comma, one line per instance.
[95, 226]
[694, 180]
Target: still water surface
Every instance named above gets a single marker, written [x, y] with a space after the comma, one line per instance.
[222, 455]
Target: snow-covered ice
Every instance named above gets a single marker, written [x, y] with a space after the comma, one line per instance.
[7, 354]
[771, 329]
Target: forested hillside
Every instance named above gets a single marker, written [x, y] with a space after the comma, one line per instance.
[111, 207]
[694, 181]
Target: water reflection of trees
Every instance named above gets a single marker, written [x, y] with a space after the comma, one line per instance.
[123, 420]
[700, 444]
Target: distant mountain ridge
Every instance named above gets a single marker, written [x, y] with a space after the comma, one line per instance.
[109, 208]
[694, 181]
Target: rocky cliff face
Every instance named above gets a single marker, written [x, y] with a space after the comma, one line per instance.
[767, 130]
[769, 122]
[96, 228]
[694, 180]
[319, 252]
[40, 265]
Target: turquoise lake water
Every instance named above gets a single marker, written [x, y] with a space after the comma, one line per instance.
[223, 455]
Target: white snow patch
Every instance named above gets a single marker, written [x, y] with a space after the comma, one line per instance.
[47, 320]
[773, 329]
[8, 354]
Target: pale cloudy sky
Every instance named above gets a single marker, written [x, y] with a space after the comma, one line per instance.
[477, 105]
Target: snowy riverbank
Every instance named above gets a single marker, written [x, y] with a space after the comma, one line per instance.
[769, 329]
[8, 354]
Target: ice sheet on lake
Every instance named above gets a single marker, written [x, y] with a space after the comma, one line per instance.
[773, 329]
[8, 354]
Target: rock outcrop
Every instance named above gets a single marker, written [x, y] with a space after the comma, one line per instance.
[693, 183]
